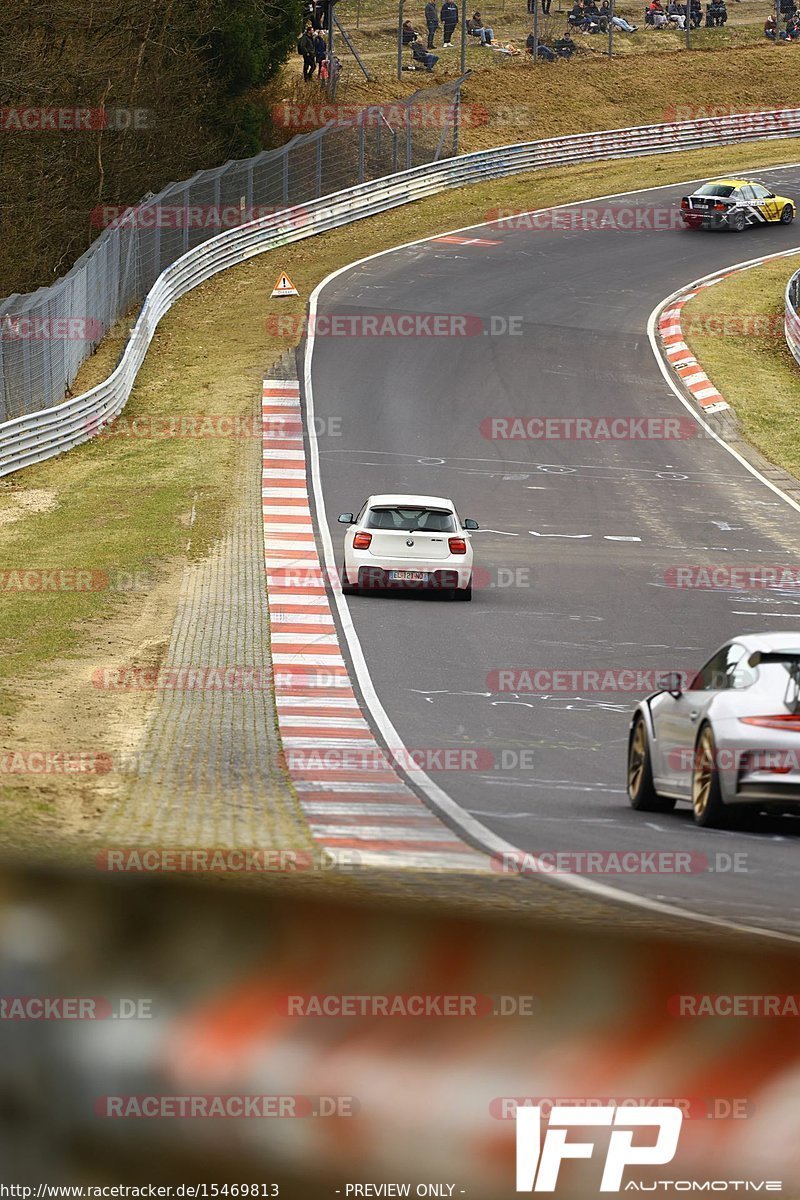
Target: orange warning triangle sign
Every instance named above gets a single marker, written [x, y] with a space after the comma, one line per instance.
[284, 287]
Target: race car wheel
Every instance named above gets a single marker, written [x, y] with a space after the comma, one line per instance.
[641, 792]
[787, 214]
[736, 222]
[348, 589]
[707, 805]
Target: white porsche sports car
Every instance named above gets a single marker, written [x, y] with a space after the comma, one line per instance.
[725, 738]
[408, 542]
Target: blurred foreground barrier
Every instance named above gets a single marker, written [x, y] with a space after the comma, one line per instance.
[42, 434]
[791, 320]
[261, 1035]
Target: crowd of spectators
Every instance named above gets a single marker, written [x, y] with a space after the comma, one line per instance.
[675, 14]
[789, 30]
[585, 16]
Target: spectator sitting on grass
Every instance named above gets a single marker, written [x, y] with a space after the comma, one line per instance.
[476, 28]
[716, 14]
[792, 33]
[408, 33]
[421, 55]
[542, 51]
[769, 27]
[696, 14]
[564, 46]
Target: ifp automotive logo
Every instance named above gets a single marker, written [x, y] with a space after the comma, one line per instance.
[538, 1161]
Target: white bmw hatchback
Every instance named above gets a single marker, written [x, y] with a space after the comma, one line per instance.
[408, 542]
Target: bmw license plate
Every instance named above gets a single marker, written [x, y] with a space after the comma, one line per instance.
[409, 576]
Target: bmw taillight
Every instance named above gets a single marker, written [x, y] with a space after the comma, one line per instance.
[789, 721]
[457, 545]
[362, 541]
[720, 207]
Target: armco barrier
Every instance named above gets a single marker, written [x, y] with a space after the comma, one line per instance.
[40, 435]
[791, 318]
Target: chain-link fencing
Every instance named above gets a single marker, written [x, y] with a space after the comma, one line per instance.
[46, 335]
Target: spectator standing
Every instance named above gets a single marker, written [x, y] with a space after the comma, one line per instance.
[305, 47]
[320, 50]
[449, 18]
[432, 21]
[546, 9]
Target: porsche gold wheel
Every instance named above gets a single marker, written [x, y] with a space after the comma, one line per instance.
[641, 790]
[707, 805]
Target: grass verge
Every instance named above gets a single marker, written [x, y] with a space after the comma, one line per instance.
[736, 330]
[651, 77]
[138, 508]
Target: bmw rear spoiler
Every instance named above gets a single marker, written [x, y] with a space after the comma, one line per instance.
[774, 656]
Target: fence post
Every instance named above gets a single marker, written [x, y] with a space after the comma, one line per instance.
[361, 151]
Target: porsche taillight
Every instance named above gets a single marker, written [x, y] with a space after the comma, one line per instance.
[787, 721]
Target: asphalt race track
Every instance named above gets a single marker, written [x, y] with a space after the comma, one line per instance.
[563, 594]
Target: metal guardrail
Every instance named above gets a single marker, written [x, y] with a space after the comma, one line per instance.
[791, 317]
[41, 435]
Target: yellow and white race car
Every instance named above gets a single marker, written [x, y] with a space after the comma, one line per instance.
[735, 203]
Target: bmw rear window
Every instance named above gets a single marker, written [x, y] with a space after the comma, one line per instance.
[427, 520]
[715, 189]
